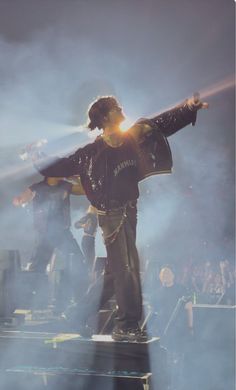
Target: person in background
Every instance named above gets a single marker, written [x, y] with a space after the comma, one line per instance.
[165, 301]
[173, 323]
[51, 213]
[228, 275]
[89, 224]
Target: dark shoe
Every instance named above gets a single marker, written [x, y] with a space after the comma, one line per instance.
[130, 335]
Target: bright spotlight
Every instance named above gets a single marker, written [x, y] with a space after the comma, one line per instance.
[126, 125]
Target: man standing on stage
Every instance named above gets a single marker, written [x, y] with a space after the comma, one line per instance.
[110, 169]
[51, 213]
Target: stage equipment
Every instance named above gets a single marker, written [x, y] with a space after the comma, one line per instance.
[70, 358]
[9, 273]
[214, 347]
[179, 305]
[32, 290]
[214, 324]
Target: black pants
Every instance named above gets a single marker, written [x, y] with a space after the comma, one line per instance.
[88, 248]
[74, 276]
[121, 276]
[53, 238]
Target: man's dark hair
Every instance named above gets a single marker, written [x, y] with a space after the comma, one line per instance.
[170, 266]
[99, 109]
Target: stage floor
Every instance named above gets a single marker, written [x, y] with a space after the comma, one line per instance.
[27, 351]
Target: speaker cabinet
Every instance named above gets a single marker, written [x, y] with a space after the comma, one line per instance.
[32, 290]
[9, 271]
[214, 347]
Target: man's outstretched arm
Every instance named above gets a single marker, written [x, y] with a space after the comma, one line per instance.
[171, 121]
[77, 188]
[58, 167]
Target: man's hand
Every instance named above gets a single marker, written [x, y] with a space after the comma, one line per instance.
[23, 198]
[17, 201]
[195, 102]
[79, 225]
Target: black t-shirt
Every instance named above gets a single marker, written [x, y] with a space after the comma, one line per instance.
[110, 178]
[164, 303]
[122, 173]
[51, 206]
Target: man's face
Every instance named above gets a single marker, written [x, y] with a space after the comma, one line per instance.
[166, 276]
[115, 116]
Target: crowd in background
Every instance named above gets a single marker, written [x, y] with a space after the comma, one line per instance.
[208, 282]
[211, 282]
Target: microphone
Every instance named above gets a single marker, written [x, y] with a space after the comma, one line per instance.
[186, 298]
[197, 101]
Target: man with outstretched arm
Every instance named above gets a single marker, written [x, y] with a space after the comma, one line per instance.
[110, 169]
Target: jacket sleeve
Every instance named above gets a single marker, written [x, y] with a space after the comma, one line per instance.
[60, 167]
[171, 121]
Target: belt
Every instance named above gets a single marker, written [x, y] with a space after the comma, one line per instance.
[116, 207]
[90, 235]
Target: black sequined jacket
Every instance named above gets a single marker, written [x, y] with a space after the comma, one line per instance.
[152, 152]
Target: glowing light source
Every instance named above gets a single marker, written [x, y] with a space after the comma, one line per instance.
[220, 86]
[214, 89]
[126, 125]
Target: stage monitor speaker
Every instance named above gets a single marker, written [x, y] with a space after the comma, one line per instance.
[214, 347]
[9, 270]
[33, 290]
[214, 324]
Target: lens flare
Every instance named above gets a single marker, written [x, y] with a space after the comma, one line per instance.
[221, 86]
[126, 125]
[216, 88]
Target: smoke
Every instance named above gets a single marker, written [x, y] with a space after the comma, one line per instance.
[56, 57]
